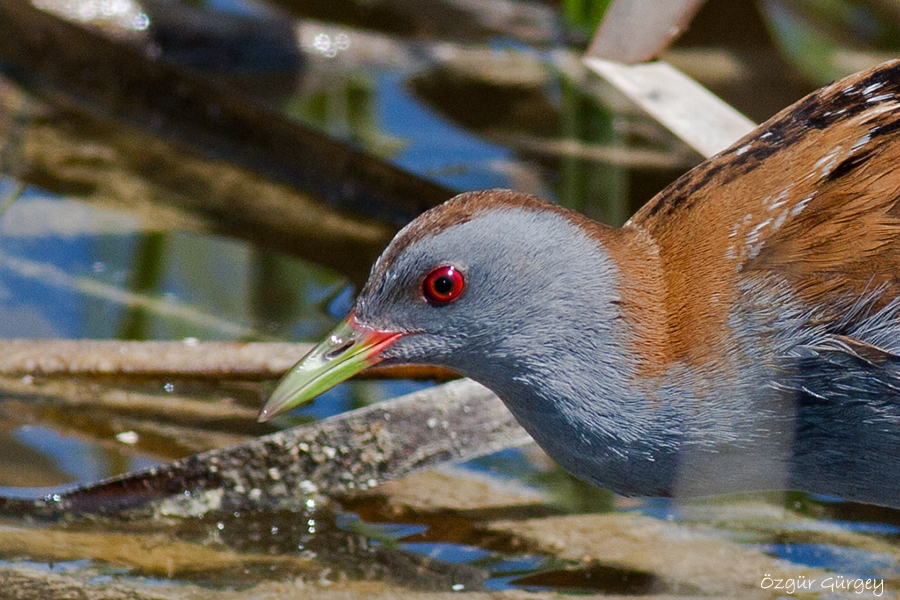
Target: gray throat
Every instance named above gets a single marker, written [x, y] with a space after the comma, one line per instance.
[563, 368]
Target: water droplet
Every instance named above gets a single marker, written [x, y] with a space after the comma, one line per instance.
[141, 22]
[128, 437]
[322, 42]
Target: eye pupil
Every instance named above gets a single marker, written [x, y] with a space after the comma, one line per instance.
[443, 285]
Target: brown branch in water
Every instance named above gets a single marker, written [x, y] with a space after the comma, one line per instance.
[175, 360]
[82, 68]
[354, 451]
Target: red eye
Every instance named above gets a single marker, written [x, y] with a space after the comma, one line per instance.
[443, 285]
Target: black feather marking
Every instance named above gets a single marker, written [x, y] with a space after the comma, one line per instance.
[849, 164]
[827, 107]
[887, 129]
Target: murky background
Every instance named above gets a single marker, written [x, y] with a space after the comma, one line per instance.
[134, 210]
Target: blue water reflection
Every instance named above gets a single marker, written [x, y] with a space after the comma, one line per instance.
[434, 147]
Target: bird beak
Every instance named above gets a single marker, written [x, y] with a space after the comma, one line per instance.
[349, 349]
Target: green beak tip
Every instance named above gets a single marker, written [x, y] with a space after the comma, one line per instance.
[348, 350]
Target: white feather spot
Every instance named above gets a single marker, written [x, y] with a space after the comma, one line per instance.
[860, 143]
[875, 86]
[753, 237]
[801, 205]
[781, 198]
[780, 219]
[827, 163]
[753, 250]
[761, 226]
[879, 98]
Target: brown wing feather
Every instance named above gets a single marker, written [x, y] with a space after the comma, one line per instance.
[813, 194]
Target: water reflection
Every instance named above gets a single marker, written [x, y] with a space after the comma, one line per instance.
[51, 462]
[87, 272]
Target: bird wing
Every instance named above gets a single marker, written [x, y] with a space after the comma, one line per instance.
[812, 196]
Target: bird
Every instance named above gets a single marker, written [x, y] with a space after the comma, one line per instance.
[741, 332]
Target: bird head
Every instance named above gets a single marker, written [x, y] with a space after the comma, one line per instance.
[465, 286]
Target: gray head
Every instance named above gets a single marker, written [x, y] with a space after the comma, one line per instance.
[490, 281]
[502, 287]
